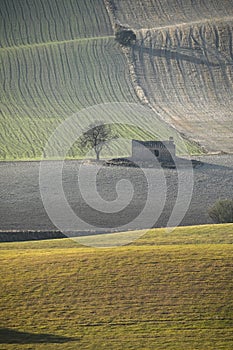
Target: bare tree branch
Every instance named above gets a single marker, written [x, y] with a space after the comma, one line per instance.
[97, 137]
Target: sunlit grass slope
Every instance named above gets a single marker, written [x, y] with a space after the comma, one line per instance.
[184, 64]
[56, 58]
[44, 84]
[165, 291]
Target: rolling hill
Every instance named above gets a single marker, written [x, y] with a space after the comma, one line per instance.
[54, 64]
[166, 290]
[57, 60]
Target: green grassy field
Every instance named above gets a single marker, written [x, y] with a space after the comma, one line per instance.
[39, 21]
[42, 85]
[164, 291]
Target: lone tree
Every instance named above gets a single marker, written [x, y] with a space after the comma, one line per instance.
[97, 137]
[222, 211]
[125, 36]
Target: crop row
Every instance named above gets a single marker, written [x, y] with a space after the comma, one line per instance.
[51, 75]
[40, 85]
[186, 73]
[43, 84]
[155, 13]
[35, 21]
[182, 61]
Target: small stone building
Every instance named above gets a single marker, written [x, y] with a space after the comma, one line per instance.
[164, 151]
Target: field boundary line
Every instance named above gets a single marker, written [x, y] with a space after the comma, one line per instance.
[203, 21]
[51, 43]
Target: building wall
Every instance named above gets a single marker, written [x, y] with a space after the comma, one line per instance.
[147, 150]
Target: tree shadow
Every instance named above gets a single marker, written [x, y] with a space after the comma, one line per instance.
[173, 54]
[12, 336]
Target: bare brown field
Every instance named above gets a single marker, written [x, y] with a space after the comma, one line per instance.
[182, 64]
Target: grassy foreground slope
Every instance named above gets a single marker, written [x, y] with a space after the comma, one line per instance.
[166, 291]
[183, 62]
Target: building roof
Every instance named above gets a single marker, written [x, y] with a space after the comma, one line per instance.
[155, 144]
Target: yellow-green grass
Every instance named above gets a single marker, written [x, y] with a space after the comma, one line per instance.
[164, 291]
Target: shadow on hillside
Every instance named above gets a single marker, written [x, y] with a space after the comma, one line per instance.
[190, 56]
[11, 336]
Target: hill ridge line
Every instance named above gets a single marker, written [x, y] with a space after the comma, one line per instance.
[50, 43]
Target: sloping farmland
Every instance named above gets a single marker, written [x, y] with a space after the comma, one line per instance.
[49, 71]
[183, 62]
[158, 13]
[56, 60]
[38, 21]
[43, 84]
